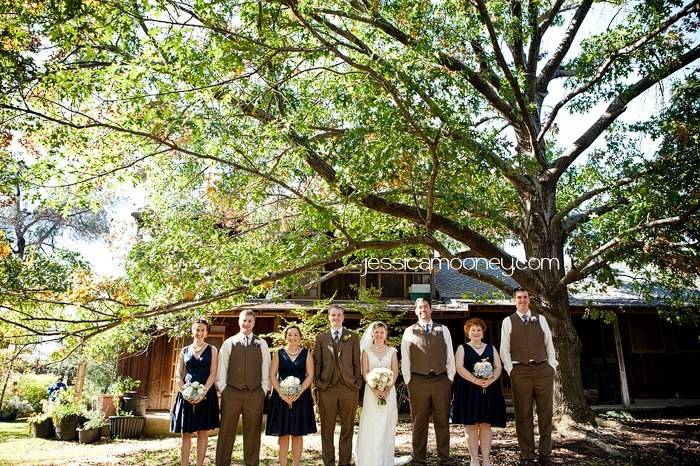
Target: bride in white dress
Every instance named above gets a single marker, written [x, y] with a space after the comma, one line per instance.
[377, 433]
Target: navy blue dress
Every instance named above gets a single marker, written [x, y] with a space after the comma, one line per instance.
[470, 405]
[188, 417]
[299, 420]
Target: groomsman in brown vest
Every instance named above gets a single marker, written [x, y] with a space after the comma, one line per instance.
[243, 378]
[528, 356]
[338, 375]
[428, 368]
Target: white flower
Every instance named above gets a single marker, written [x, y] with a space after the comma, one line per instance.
[483, 369]
[380, 378]
[290, 386]
[193, 391]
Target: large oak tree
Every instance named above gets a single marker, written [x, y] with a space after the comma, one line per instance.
[278, 136]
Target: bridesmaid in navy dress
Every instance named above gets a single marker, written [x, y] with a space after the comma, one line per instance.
[477, 403]
[197, 363]
[291, 417]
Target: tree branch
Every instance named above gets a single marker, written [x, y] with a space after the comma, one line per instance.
[475, 241]
[547, 21]
[526, 121]
[608, 63]
[616, 108]
[574, 221]
[552, 65]
[594, 192]
[577, 271]
[483, 277]
[448, 61]
[516, 49]
[533, 52]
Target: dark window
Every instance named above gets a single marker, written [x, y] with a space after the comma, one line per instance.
[392, 286]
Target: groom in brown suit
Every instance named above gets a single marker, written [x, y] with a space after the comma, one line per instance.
[338, 375]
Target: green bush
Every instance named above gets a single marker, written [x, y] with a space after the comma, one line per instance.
[125, 384]
[95, 420]
[33, 388]
[66, 405]
[13, 407]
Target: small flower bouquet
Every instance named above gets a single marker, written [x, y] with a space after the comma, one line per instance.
[290, 386]
[483, 370]
[380, 378]
[194, 392]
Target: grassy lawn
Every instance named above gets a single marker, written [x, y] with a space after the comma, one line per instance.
[17, 447]
[13, 430]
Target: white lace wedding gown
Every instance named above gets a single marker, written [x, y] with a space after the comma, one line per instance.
[377, 434]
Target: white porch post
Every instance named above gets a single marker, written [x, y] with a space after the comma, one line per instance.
[621, 364]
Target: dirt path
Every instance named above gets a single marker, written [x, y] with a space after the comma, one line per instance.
[667, 442]
[51, 452]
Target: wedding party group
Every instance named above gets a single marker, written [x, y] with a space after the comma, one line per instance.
[459, 387]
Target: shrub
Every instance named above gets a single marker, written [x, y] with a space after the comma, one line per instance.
[66, 405]
[95, 420]
[32, 387]
[15, 406]
[39, 418]
[125, 384]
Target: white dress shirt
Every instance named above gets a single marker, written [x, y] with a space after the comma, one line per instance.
[225, 355]
[506, 329]
[340, 333]
[406, 341]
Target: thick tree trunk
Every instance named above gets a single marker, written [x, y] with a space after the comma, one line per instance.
[569, 398]
[543, 239]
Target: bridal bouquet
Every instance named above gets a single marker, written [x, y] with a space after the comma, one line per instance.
[194, 391]
[290, 386]
[483, 370]
[380, 378]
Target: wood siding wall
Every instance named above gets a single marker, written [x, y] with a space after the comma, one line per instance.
[153, 368]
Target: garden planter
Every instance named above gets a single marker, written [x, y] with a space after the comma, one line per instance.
[105, 405]
[134, 404]
[141, 403]
[67, 428]
[43, 429]
[126, 426]
[89, 435]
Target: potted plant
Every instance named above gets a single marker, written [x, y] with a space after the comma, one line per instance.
[104, 403]
[126, 425]
[41, 424]
[65, 413]
[125, 388]
[91, 431]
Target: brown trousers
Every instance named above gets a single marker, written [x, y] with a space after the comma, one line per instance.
[428, 393]
[235, 403]
[333, 400]
[533, 383]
